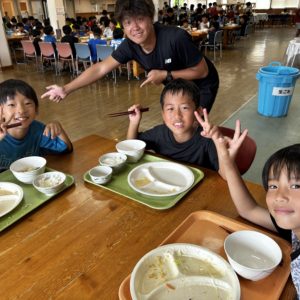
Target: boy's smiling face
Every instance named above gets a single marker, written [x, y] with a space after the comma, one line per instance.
[283, 200]
[19, 109]
[178, 115]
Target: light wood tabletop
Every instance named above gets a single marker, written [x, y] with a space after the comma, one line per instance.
[86, 240]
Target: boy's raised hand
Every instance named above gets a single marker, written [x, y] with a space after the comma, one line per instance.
[135, 118]
[3, 124]
[209, 130]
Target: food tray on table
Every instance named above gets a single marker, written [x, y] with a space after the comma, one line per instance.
[209, 229]
[31, 199]
[119, 185]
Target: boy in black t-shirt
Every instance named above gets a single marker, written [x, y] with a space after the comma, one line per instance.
[178, 138]
[69, 38]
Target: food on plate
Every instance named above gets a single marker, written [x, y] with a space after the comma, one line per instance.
[29, 169]
[4, 192]
[50, 181]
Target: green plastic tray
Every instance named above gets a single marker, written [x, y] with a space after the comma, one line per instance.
[119, 185]
[31, 200]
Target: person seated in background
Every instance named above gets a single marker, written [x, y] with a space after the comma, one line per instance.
[118, 38]
[19, 104]
[76, 30]
[49, 35]
[186, 26]
[95, 41]
[178, 138]
[20, 29]
[69, 38]
[170, 17]
[36, 38]
[204, 24]
[214, 26]
[108, 31]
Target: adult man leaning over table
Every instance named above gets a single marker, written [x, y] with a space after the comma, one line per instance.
[165, 52]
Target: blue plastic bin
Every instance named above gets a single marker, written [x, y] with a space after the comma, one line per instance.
[276, 87]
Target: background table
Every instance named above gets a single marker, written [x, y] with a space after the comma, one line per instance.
[85, 241]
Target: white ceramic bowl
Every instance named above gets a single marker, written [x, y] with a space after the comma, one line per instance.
[28, 168]
[101, 174]
[114, 160]
[252, 255]
[183, 271]
[134, 149]
[49, 183]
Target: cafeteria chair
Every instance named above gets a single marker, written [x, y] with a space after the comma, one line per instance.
[29, 52]
[104, 51]
[65, 55]
[83, 55]
[48, 54]
[217, 45]
[247, 151]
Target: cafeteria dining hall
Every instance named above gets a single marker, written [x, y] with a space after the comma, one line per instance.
[149, 150]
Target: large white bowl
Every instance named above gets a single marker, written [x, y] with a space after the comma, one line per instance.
[134, 149]
[49, 183]
[114, 160]
[28, 168]
[183, 271]
[252, 255]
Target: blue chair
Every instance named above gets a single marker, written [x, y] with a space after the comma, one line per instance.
[104, 51]
[83, 55]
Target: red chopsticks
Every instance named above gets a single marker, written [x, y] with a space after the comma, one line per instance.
[124, 113]
[13, 125]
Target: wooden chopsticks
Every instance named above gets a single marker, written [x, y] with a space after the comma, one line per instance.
[124, 113]
[13, 125]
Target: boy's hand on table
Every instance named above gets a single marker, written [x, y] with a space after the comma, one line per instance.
[53, 129]
[55, 93]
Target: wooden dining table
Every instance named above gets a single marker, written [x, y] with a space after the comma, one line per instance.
[83, 242]
[227, 31]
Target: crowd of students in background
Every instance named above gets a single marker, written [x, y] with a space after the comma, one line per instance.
[98, 30]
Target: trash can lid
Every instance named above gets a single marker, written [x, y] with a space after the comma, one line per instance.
[279, 70]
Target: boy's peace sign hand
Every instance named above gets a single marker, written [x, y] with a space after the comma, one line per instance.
[209, 130]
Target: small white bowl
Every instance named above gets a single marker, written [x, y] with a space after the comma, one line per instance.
[101, 174]
[133, 149]
[114, 160]
[49, 183]
[252, 255]
[28, 168]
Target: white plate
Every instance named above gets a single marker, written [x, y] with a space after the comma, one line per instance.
[11, 199]
[183, 271]
[161, 179]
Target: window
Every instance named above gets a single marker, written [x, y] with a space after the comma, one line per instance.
[285, 3]
[262, 4]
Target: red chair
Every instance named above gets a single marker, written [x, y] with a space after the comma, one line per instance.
[48, 54]
[246, 152]
[65, 55]
[29, 52]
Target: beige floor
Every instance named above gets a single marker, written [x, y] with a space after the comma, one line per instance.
[84, 111]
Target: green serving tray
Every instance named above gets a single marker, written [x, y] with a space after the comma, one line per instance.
[119, 185]
[32, 198]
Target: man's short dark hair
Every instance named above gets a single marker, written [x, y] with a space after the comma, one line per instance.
[133, 8]
[185, 87]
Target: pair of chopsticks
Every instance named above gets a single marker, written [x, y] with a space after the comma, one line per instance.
[13, 125]
[129, 112]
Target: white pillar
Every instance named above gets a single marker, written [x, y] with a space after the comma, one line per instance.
[156, 4]
[4, 53]
[56, 11]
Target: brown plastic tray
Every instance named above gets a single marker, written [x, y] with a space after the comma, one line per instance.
[209, 230]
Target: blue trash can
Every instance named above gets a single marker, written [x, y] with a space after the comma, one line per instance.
[276, 86]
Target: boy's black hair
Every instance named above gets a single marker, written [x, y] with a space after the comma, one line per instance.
[67, 29]
[96, 30]
[288, 157]
[35, 32]
[10, 87]
[133, 8]
[183, 86]
[118, 33]
[48, 30]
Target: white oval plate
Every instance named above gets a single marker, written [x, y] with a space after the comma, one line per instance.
[10, 200]
[183, 271]
[160, 179]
